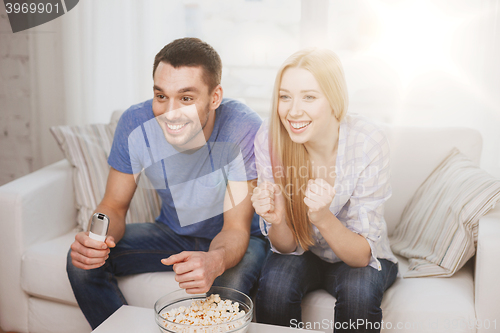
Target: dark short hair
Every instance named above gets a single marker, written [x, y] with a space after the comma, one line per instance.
[192, 52]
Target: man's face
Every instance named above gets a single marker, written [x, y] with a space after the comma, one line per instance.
[183, 105]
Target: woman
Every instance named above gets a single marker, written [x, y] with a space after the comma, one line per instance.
[323, 182]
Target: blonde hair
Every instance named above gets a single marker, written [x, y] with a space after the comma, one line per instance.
[289, 158]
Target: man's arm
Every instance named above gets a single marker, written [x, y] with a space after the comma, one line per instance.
[232, 241]
[196, 271]
[87, 253]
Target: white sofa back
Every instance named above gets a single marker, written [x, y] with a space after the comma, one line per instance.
[415, 153]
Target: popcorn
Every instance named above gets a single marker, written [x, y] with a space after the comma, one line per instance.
[210, 311]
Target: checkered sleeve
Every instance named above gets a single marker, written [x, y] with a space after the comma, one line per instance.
[365, 215]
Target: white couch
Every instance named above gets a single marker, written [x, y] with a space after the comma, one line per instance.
[38, 220]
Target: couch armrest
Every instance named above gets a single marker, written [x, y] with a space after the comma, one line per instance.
[35, 208]
[487, 272]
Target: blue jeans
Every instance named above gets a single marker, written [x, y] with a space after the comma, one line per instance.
[285, 279]
[140, 251]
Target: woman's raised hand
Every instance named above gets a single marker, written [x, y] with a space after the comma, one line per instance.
[318, 197]
[268, 202]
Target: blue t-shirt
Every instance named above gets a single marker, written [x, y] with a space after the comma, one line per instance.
[191, 185]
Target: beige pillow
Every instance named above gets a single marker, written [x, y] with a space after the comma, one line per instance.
[87, 149]
[438, 228]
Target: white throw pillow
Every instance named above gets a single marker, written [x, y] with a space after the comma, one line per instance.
[438, 228]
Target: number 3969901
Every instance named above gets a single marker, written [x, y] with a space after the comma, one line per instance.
[32, 8]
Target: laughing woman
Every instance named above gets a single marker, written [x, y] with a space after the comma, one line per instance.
[323, 182]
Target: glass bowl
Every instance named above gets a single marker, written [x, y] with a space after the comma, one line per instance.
[179, 298]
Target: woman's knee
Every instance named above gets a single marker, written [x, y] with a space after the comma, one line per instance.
[361, 290]
[276, 285]
[281, 280]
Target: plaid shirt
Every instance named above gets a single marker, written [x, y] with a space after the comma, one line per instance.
[361, 185]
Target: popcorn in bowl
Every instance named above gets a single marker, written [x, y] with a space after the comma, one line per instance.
[212, 310]
[220, 310]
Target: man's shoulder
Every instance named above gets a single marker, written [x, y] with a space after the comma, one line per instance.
[138, 113]
[236, 116]
[234, 109]
[135, 116]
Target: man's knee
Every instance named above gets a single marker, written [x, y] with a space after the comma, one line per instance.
[77, 275]
[70, 268]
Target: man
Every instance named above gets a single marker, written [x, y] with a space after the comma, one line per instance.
[196, 149]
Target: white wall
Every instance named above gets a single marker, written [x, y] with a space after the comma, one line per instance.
[31, 98]
[111, 45]
[420, 62]
[15, 119]
[424, 63]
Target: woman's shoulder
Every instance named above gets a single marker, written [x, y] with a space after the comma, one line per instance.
[364, 129]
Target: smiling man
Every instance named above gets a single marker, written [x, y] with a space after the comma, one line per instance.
[196, 149]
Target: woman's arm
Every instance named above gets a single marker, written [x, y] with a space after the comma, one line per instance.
[363, 217]
[281, 237]
[350, 247]
[267, 198]
[279, 233]
[269, 203]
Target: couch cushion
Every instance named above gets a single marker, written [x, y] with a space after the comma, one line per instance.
[423, 300]
[43, 274]
[43, 270]
[54, 317]
[429, 304]
[438, 229]
[415, 153]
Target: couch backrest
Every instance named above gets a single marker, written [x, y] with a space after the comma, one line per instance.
[415, 153]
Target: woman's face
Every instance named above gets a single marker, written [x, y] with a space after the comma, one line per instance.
[303, 108]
